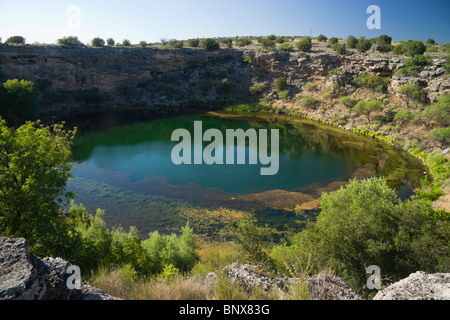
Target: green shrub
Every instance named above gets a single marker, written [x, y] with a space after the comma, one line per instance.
[169, 273]
[284, 94]
[210, 44]
[431, 41]
[333, 40]
[228, 42]
[341, 49]
[411, 92]
[331, 91]
[309, 87]
[441, 135]
[98, 42]
[383, 39]
[364, 223]
[373, 81]
[438, 112]
[447, 64]
[281, 84]
[174, 43]
[352, 42]
[348, 102]
[322, 38]
[242, 42]
[363, 45]
[366, 108]
[252, 239]
[398, 49]
[257, 88]
[304, 45]
[35, 165]
[143, 44]
[194, 43]
[268, 44]
[384, 48]
[446, 47]
[126, 43]
[110, 42]
[69, 41]
[412, 48]
[309, 101]
[383, 43]
[18, 100]
[432, 49]
[247, 60]
[286, 47]
[414, 64]
[281, 40]
[15, 40]
[403, 116]
[334, 71]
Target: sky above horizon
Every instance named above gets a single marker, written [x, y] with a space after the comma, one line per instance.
[46, 21]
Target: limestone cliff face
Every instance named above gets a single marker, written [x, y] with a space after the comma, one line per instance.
[113, 76]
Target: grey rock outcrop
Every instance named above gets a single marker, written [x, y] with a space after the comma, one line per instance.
[19, 279]
[418, 286]
[24, 276]
[322, 286]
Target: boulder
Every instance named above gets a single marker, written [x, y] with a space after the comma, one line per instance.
[19, 279]
[418, 286]
[24, 276]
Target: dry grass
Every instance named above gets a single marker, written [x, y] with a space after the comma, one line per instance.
[123, 283]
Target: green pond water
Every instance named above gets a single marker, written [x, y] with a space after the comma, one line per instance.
[128, 171]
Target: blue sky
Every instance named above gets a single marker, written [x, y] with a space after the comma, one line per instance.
[45, 21]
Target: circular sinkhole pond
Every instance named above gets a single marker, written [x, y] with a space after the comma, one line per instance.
[131, 172]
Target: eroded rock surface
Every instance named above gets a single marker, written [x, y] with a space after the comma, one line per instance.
[322, 286]
[418, 286]
[24, 276]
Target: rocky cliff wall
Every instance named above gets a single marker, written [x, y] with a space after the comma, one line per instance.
[111, 76]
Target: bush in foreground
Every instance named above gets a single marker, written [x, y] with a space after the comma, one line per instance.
[365, 224]
[34, 169]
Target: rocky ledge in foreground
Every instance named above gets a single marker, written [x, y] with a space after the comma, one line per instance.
[24, 276]
[322, 286]
[418, 286]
